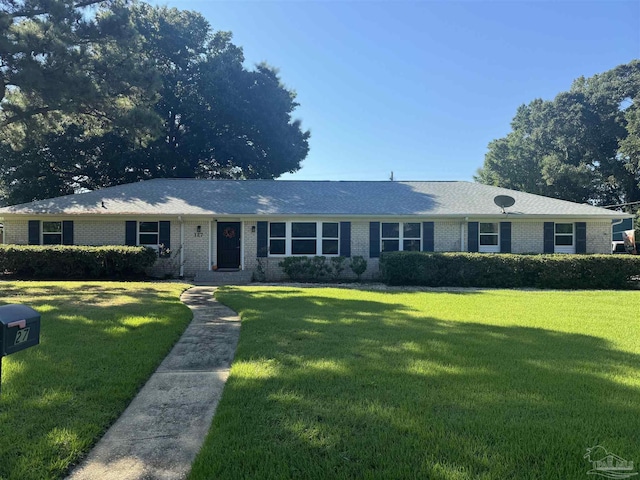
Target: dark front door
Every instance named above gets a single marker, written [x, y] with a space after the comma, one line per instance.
[228, 244]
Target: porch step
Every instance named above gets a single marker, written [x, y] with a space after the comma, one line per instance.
[210, 277]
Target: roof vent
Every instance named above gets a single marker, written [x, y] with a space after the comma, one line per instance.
[504, 201]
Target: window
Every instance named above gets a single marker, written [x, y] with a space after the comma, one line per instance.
[564, 241]
[52, 233]
[277, 242]
[148, 234]
[411, 237]
[304, 238]
[330, 238]
[401, 236]
[489, 238]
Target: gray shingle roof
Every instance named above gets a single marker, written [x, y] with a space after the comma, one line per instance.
[277, 197]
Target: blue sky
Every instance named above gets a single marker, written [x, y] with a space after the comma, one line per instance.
[420, 87]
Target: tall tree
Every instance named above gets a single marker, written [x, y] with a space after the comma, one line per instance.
[573, 147]
[211, 117]
[67, 57]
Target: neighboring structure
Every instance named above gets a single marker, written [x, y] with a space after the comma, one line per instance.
[619, 227]
[236, 224]
[617, 239]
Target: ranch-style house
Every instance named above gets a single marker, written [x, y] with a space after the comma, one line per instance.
[221, 225]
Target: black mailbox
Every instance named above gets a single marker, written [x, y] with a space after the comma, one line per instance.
[20, 328]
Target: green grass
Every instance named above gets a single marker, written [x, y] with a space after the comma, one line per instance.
[476, 384]
[99, 343]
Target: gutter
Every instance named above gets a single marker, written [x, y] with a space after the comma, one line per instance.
[181, 246]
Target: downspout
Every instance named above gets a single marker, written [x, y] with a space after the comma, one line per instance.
[181, 246]
[613, 224]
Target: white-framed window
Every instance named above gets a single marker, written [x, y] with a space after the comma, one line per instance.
[51, 233]
[489, 241]
[277, 238]
[401, 236]
[564, 238]
[330, 238]
[304, 238]
[149, 234]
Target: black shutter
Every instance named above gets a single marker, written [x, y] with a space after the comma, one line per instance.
[263, 247]
[164, 239]
[67, 232]
[131, 231]
[164, 234]
[345, 239]
[34, 232]
[428, 240]
[472, 236]
[549, 234]
[374, 239]
[505, 237]
[581, 237]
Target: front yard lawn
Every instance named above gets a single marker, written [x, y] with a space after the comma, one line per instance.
[474, 384]
[99, 343]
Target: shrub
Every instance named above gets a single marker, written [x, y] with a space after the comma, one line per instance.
[508, 270]
[311, 269]
[65, 262]
[358, 265]
[259, 274]
[296, 268]
[337, 267]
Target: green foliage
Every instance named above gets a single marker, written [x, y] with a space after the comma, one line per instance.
[446, 385]
[509, 271]
[66, 262]
[311, 269]
[337, 267]
[100, 342]
[581, 146]
[67, 60]
[169, 98]
[259, 274]
[358, 265]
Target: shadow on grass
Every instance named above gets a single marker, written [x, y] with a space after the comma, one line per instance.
[60, 396]
[352, 388]
[84, 295]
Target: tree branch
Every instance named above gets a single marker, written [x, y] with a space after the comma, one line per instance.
[34, 13]
[27, 114]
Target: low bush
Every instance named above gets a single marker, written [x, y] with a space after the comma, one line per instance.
[509, 270]
[311, 269]
[358, 265]
[75, 262]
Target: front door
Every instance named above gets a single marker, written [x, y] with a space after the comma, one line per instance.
[228, 244]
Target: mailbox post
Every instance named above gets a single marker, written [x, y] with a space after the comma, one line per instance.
[19, 329]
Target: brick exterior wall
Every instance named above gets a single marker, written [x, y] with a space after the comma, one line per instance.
[527, 237]
[250, 245]
[599, 237]
[98, 233]
[196, 245]
[16, 232]
[447, 236]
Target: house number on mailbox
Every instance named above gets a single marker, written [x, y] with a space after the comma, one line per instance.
[22, 336]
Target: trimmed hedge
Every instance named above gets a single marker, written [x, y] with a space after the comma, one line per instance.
[319, 268]
[306, 269]
[509, 270]
[69, 262]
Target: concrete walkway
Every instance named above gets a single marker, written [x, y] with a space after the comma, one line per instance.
[162, 430]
